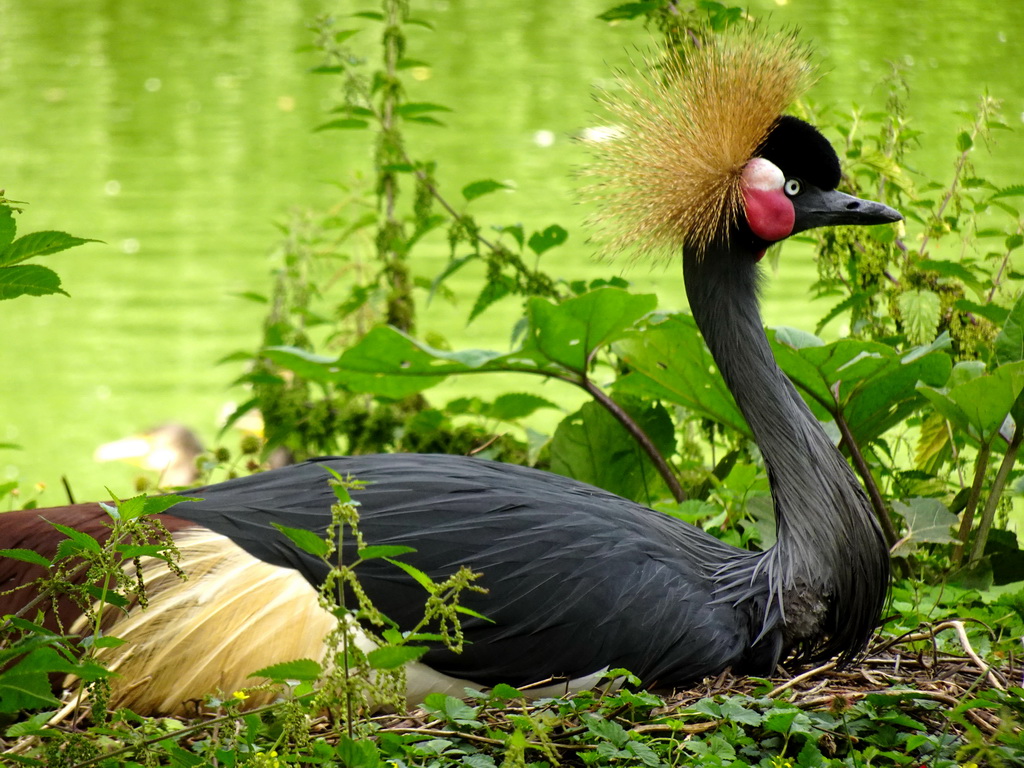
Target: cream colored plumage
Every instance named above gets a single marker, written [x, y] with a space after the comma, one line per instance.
[245, 610]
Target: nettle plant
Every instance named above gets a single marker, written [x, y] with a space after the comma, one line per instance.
[923, 394]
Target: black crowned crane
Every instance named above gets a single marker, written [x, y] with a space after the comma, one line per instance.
[579, 581]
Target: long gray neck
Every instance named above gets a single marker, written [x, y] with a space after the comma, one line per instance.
[829, 543]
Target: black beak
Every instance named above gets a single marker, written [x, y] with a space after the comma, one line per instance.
[827, 208]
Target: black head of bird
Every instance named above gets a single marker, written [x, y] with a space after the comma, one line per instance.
[578, 580]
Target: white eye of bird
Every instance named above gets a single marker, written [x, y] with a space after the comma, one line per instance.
[792, 187]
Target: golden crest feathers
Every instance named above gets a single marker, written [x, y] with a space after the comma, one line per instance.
[670, 173]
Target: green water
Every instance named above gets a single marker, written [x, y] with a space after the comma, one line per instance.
[180, 133]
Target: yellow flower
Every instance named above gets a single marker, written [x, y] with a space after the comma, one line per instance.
[240, 695]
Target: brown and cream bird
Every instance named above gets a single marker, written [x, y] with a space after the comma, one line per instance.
[579, 581]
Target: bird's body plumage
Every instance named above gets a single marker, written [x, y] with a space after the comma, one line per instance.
[554, 554]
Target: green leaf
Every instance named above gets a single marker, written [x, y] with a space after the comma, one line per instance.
[343, 124]
[877, 388]
[1009, 346]
[964, 142]
[927, 521]
[591, 445]
[643, 753]
[421, 578]
[451, 709]
[505, 692]
[38, 244]
[301, 669]
[494, 290]
[307, 541]
[108, 642]
[481, 188]
[992, 312]
[735, 712]
[8, 227]
[358, 753]
[82, 540]
[979, 405]
[512, 406]
[1016, 190]
[384, 550]
[569, 333]
[668, 360]
[420, 108]
[394, 656]
[26, 556]
[605, 729]
[629, 10]
[28, 279]
[549, 238]
[32, 726]
[920, 311]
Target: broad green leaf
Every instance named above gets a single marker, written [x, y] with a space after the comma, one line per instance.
[517, 405]
[28, 279]
[668, 360]
[549, 238]
[505, 692]
[569, 333]
[979, 405]
[359, 753]
[876, 386]
[82, 540]
[606, 729]
[920, 311]
[481, 188]
[38, 244]
[964, 142]
[493, 290]
[108, 641]
[24, 687]
[394, 656]
[737, 713]
[992, 312]
[305, 540]
[1009, 346]
[451, 709]
[387, 362]
[629, 10]
[591, 445]
[927, 521]
[796, 338]
[560, 341]
[8, 226]
[952, 269]
[32, 726]
[148, 505]
[26, 556]
[299, 669]
[384, 550]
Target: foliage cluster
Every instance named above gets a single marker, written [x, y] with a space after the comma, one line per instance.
[924, 394]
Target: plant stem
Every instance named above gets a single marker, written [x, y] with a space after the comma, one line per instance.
[1002, 267]
[980, 465]
[400, 308]
[989, 512]
[874, 494]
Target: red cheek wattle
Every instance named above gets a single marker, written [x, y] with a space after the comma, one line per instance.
[770, 213]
